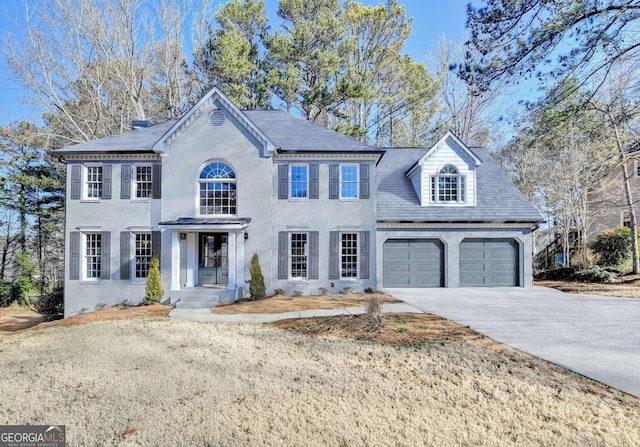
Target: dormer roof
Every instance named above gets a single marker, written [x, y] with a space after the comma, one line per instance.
[451, 140]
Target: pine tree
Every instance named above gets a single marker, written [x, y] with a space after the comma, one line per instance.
[153, 291]
[256, 287]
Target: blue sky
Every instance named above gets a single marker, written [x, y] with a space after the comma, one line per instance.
[431, 20]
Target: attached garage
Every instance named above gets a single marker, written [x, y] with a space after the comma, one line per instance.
[489, 263]
[413, 263]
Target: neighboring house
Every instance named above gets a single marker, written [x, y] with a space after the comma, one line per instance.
[206, 192]
[608, 205]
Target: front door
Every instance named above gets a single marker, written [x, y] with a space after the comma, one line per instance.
[213, 267]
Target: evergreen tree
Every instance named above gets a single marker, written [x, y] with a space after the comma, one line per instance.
[256, 287]
[153, 291]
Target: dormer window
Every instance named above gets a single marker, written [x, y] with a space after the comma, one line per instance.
[448, 186]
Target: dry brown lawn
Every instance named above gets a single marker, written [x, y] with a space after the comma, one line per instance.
[335, 381]
[282, 303]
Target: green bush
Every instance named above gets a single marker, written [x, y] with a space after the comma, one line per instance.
[256, 286]
[51, 303]
[595, 274]
[5, 293]
[153, 291]
[24, 274]
[612, 246]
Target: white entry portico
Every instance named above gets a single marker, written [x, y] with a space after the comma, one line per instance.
[189, 252]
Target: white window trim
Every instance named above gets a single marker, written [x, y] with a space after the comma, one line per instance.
[298, 278]
[434, 194]
[290, 185]
[85, 179]
[623, 214]
[132, 251]
[200, 181]
[350, 278]
[134, 183]
[84, 279]
[357, 166]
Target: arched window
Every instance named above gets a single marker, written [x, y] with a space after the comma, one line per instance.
[448, 185]
[217, 189]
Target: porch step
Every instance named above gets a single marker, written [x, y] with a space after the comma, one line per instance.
[197, 298]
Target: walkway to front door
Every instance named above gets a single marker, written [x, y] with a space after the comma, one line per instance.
[213, 264]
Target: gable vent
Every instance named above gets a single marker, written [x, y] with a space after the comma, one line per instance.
[217, 118]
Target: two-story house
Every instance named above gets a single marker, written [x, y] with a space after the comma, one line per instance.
[320, 209]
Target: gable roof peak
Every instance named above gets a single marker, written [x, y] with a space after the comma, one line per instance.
[212, 96]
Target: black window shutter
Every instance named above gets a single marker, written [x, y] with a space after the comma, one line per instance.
[125, 256]
[334, 255]
[283, 181]
[105, 258]
[364, 181]
[106, 181]
[365, 258]
[314, 181]
[156, 238]
[74, 255]
[125, 182]
[156, 178]
[76, 181]
[283, 254]
[313, 254]
[334, 181]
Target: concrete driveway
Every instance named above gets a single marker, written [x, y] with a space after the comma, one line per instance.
[598, 337]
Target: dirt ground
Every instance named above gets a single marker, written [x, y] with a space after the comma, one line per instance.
[627, 286]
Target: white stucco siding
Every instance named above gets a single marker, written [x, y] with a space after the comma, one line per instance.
[230, 143]
[324, 215]
[440, 157]
[113, 215]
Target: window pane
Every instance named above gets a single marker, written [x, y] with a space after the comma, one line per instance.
[94, 182]
[218, 198]
[349, 182]
[143, 182]
[299, 181]
[93, 252]
[298, 254]
[349, 255]
[143, 254]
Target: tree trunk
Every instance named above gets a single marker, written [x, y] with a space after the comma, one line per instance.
[628, 198]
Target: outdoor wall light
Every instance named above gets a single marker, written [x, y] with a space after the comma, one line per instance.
[183, 236]
[246, 236]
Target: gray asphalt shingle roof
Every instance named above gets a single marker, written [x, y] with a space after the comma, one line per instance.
[286, 131]
[498, 199]
[137, 140]
[290, 133]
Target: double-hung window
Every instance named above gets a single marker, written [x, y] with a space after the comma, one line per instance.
[142, 255]
[299, 181]
[143, 182]
[94, 182]
[298, 255]
[349, 181]
[92, 256]
[348, 255]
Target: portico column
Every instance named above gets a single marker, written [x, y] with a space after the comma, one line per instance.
[175, 260]
[240, 259]
[231, 253]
